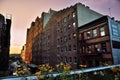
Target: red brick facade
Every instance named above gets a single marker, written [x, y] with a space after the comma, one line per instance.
[62, 40]
[94, 43]
[32, 32]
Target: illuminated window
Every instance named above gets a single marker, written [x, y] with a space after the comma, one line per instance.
[74, 35]
[74, 25]
[73, 14]
[69, 26]
[102, 31]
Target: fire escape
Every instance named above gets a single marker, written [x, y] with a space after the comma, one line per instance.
[87, 56]
[85, 48]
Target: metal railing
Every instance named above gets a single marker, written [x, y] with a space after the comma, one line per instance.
[56, 74]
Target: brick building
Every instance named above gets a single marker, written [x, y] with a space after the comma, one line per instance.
[33, 31]
[58, 41]
[5, 26]
[22, 55]
[99, 42]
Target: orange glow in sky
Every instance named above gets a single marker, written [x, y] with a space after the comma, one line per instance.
[25, 11]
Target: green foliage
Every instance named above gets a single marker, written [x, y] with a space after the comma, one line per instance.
[64, 70]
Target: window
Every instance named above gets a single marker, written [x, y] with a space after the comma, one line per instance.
[61, 49]
[58, 59]
[74, 25]
[116, 44]
[115, 31]
[103, 46]
[58, 24]
[69, 37]
[65, 48]
[65, 20]
[65, 29]
[75, 59]
[61, 40]
[65, 38]
[69, 48]
[61, 58]
[58, 49]
[61, 31]
[74, 35]
[74, 47]
[88, 35]
[69, 16]
[94, 32]
[70, 59]
[62, 21]
[89, 49]
[58, 41]
[48, 37]
[96, 49]
[58, 31]
[69, 26]
[48, 44]
[102, 31]
[73, 14]
[65, 59]
[83, 49]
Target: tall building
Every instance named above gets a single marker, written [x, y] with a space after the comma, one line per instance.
[58, 41]
[76, 35]
[5, 25]
[22, 55]
[35, 29]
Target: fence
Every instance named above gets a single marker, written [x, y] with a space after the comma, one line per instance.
[56, 74]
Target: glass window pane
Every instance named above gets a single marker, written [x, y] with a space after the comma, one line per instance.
[88, 35]
[94, 32]
[102, 31]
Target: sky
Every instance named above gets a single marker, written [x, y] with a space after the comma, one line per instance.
[25, 11]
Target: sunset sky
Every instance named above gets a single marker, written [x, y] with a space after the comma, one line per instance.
[25, 11]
